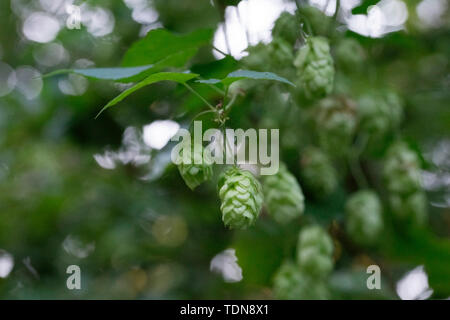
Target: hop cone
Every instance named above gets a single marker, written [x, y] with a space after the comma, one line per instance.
[402, 170]
[336, 123]
[286, 27]
[315, 68]
[194, 174]
[258, 57]
[283, 196]
[241, 198]
[412, 208]
[379, 112]
[318, 173]
[349, 54]
[281, 54]
[364, 217]
[290, 283]
[315, 251]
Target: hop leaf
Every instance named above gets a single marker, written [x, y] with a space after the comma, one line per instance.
[318, 173]
[364, 217]
[197, 170]
[286, 27]
[283, 196]
[290, 283]
[335, 123]
[241, 198]
[402, 170]
[315, 68]
[315, 251]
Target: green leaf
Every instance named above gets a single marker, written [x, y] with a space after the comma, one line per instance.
[180, 77]
[116, 74]
[247, 74]
[160, 44]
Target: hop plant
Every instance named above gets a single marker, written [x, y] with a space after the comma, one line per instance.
[286, 27]
[197, 170]
[241, 198]
[290, 283]
[258, 57]
[364, 217]
[315, 68]
[315, 251]
[379, 113]
[317, 172]
[281, 53]
[335, 123]
[283, 196]
[350, 54]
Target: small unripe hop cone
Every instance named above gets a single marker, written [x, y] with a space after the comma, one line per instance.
[241, 198]
[197, 169]
[283, 196]
[315, 68]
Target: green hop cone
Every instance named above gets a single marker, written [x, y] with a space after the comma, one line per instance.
[281, 53]
[379, 112]
[315, 68]
[318, 173]
[364, 219]
[287, 27]
[315, 251]
[290, 283]
[283, 196]
[350, 54]
[402, 170]
[335, 122]
[259, 57]
[197, 169]
[241, 198]
[411, 208]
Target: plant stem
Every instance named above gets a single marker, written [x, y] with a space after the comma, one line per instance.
[198, 95]
[355, 165]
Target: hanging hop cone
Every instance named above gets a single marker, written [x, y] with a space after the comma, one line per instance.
[364, 219]
[197, 169]
[287, 27]
[241, 198]
[290, 283]
[315, 251]
[315, 68]
[379, 112]
[402, 170]
[317, 172]
[283, 196]
[412, 208]
[350, 54]
[335, 122]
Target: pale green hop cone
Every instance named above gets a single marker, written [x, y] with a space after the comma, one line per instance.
[283, 196]
[194, 174]
[315, 68]
[315, 251]
[364, 218]
[290, 283]
[318, 173]
[241, 198]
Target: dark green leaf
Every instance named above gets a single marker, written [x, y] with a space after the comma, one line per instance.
[160, 44]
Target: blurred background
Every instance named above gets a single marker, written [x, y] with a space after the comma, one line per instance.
[102, 194]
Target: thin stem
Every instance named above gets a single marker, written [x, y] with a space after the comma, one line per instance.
[199, 115]
[198, 95]
[355, 165]
[220, 51]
